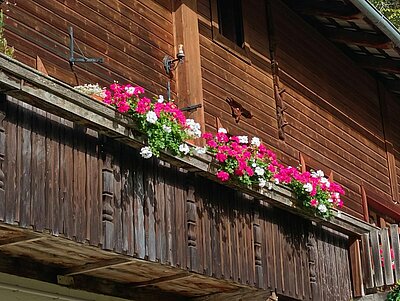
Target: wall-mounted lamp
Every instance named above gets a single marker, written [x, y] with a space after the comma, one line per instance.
[170, 64]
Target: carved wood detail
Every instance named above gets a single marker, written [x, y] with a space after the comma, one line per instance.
[192, 228]
[312, 257]
[107, 198]
[257, 251]
[2, 149]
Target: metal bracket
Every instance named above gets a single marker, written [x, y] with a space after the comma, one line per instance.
[191, 108]
[72, 59]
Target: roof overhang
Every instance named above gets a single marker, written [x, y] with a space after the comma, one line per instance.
[361, 31]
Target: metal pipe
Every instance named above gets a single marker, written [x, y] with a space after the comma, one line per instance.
[379, 20]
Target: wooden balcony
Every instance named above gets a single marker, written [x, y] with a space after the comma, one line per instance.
[80, 207]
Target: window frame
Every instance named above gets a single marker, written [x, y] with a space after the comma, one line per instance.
[241, 52]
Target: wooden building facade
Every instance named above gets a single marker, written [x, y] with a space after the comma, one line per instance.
[79, 207]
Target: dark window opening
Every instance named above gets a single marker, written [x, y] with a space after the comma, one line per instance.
[230, 19]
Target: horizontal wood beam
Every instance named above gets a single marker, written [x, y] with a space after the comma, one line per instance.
[359, 38]
[329, 9]
[378, 64]
[26, 267]
[393, 85]
[18, 240]
[91, 267]
[242, 294]
[161, 280]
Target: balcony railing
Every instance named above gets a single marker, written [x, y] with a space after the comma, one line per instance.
[380, 254]
[237, 222]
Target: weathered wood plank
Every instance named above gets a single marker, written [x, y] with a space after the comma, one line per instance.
[395, 243]
[376, 257]
[367, 261]
[140, 248]
[356, 268]
[387, 258]
[26, 153]
[3, 137]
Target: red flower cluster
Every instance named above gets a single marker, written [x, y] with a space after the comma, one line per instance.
[250, 162]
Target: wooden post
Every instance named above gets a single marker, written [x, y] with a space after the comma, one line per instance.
[3, 100]
[364, 200]
[188, 74]
[387, 134]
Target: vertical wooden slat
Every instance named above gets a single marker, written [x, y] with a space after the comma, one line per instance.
[38, 171]
[356, 269]
[117, 205]
[367, 261]
[150, 208]
[138, 190]
[3, 103]
[161, 223]
[10, 159]
[94, 197]
[169, 201]
[224, 203]
[387, 259]
[54, 172]
[127, 202]
[394, 237]
[25, 184]
[66, 178]
[376, 258]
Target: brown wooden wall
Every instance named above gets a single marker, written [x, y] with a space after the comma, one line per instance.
[131, 36]
[72, 183]
[333, 107]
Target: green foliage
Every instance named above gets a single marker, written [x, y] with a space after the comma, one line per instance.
[394, 294]
[4, 48]
[391, 9]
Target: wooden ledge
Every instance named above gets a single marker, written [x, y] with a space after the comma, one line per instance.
[46, 93]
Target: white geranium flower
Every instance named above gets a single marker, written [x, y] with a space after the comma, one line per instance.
[200, 150]
[308, 187]
[193, 128]
[146, 152]
[151, 117]
[276, 181]
[254, 164]
[322, 208]
[222, 130]
[259, 171]
[184, 148]
[262, 182]
[270, 186]
[243, 139]
[318, 174]
[160, 99]
[336, 195]
[330, 200]
[325, 181]
[166, 128]
[255, 141]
